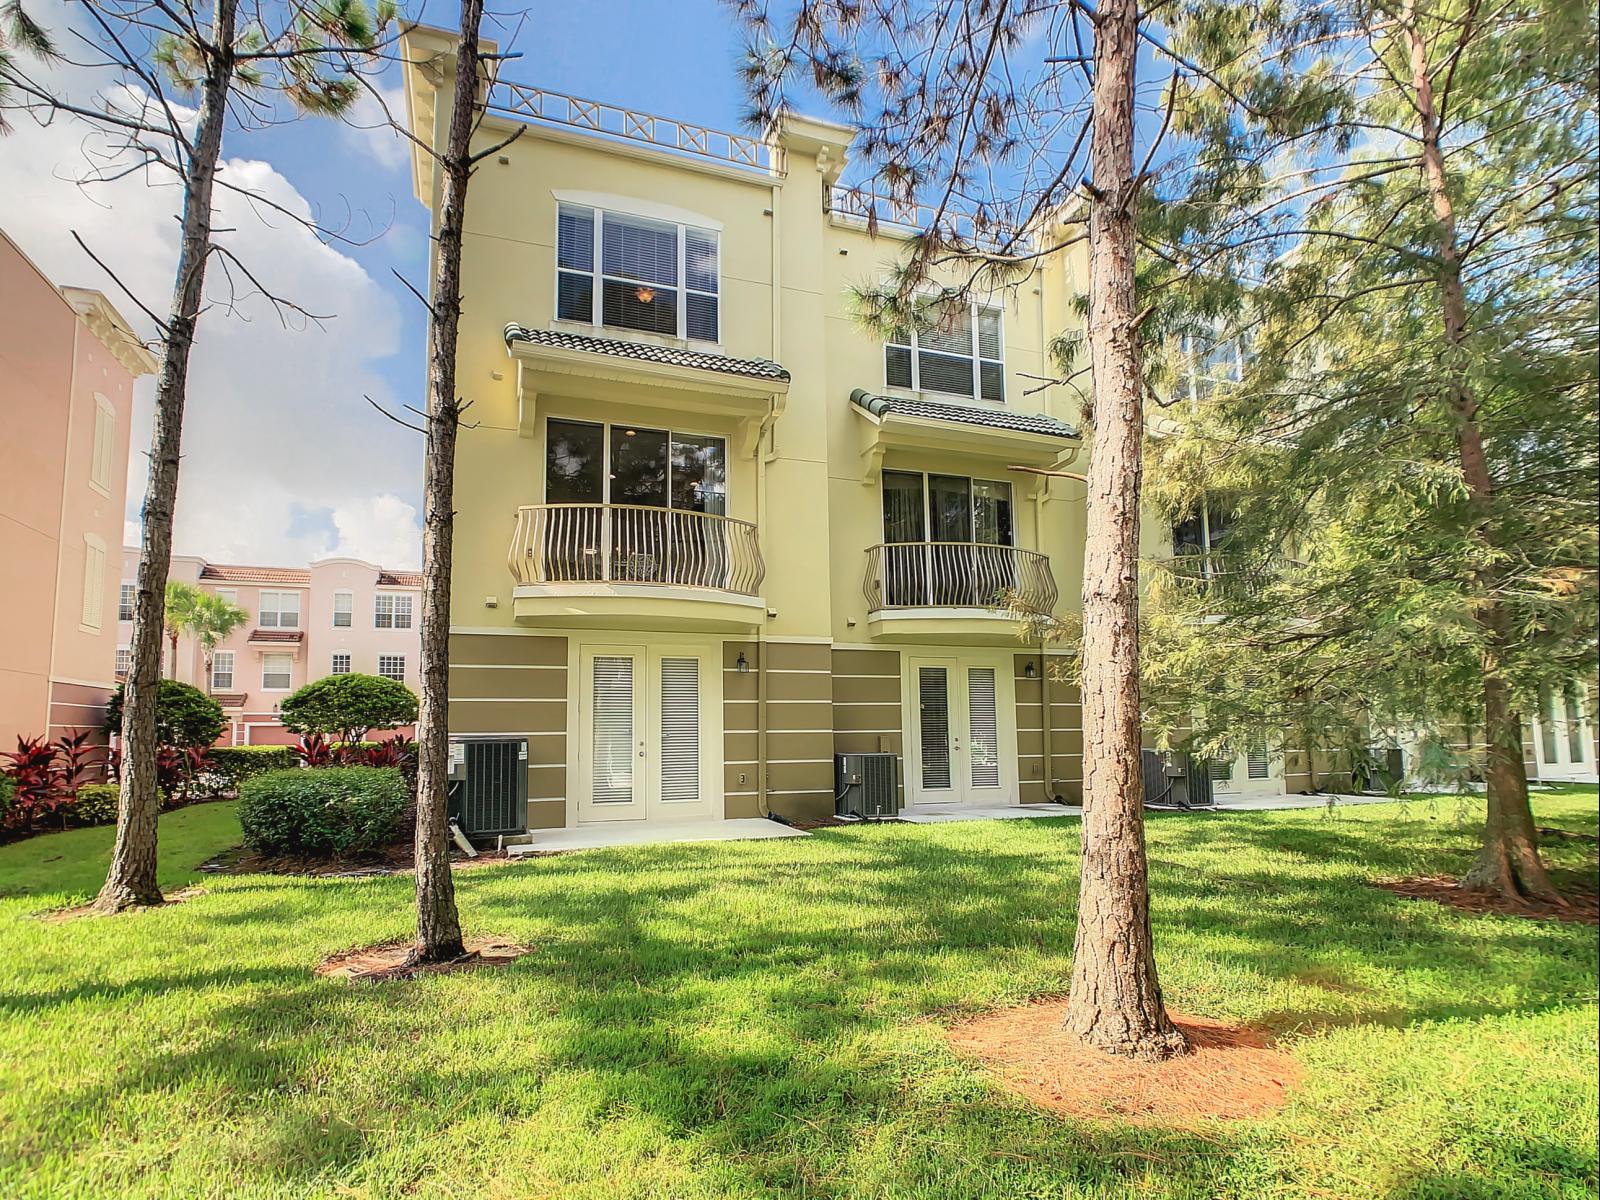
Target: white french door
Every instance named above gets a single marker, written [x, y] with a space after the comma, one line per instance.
[649, 733]
[1562, 739]
[957, 732]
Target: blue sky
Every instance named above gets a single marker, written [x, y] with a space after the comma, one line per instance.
[284, 460]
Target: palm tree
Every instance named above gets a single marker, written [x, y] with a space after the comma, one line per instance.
[212, 620]
[182, 603]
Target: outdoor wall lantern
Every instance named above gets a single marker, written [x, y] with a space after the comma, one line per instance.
[1028, 670]
[743, 664]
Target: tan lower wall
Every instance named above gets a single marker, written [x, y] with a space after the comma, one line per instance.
[866, 706]
[799, 774]
[1062, 717]
[517, 684]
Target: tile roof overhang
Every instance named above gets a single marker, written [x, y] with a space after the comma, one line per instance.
[746, 392]
[277, 636]
[996, 434]
[222, 573]
[410, 579]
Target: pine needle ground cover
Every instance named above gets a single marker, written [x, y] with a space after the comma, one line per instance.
[768, 1019]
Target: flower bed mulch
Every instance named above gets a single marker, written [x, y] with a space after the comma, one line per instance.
[387, 961]
[1582, 907]
[392, 860]
[1228, 1072]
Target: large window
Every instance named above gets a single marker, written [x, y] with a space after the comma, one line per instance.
[343, 608]
[961, 354]
[341, 663]
[942, 539]
[632, 272]
[392, 666]
[655, 479]
[125, 601]
[391, 610]
[277, 672]
[222, 671]
[279, 610]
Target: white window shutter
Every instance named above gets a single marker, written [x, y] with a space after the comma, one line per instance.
[94, 580]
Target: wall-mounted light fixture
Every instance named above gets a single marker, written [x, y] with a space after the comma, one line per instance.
[743, 665]
[1028, 670]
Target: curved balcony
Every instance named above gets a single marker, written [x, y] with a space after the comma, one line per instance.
[1223, 573]
[632, 566]
[954, 591]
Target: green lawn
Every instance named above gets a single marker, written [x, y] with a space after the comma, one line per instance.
[762, 1019]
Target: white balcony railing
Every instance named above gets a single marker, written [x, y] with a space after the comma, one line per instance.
[635, 544]
[957, 575]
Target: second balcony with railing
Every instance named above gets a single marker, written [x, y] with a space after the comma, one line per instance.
[635, 565]
[955, 588]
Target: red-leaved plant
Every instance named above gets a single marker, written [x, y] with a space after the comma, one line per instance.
[314, 750]
[37, 775]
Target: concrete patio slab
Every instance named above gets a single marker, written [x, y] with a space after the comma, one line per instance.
[935, 814]
[642, 833]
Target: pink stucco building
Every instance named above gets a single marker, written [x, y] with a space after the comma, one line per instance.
[68, 362]
[338, 616]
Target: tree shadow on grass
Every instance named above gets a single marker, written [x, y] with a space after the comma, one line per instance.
[763, 1008]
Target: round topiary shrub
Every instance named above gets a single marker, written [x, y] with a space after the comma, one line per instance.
[186, 718]
[344, 707]
[336, 812]
[96, 804]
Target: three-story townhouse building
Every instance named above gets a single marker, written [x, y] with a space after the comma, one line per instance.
[68, 365]
[336, 617]
[712, 532]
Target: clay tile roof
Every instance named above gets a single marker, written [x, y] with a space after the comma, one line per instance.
[400, 579]
[230, 699]
[758, 368]
[222, 573]
[963, 414]
[277, 635]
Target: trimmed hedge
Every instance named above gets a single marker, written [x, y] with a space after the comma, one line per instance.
[334, 812]
[235, 764]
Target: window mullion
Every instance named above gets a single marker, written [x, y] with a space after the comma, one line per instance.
[682, 273]
[595, 308]
[977, 352]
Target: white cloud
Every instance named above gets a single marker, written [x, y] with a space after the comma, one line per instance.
[276, 420]
[365, 128]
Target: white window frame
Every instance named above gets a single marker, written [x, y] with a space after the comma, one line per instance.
[348, 612]
[231, 595]
[104, 446]
[974, 307]
[391, 619]
[287, 672]
[384, 659]
[124, 660]
[333, 663]
[277, 610]
[127, 600]
[217, 657]
[598, 275]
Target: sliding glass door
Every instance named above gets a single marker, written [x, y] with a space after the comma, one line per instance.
[946, 540]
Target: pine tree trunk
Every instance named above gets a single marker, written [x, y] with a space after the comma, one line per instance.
[1115, 1001]
[438, 925]
[1508, 861]
[131, 881]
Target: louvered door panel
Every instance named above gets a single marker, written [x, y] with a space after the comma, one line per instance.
[680, 730]
[612, 718]
[933, 695]
[983, 732]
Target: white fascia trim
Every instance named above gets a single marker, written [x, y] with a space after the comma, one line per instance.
[633, 206]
